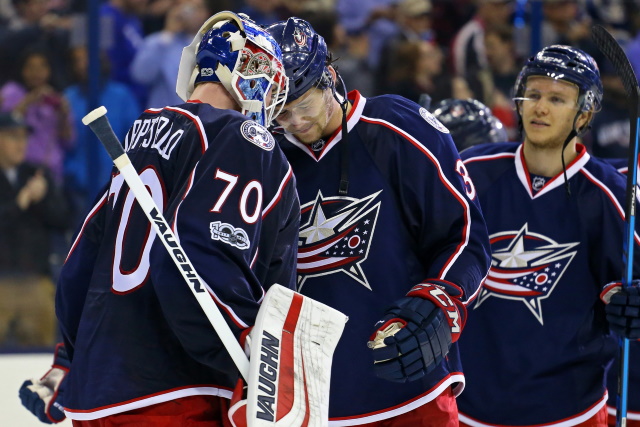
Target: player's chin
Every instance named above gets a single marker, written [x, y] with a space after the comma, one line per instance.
[307, 137]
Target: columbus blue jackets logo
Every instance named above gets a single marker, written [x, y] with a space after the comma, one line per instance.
[432, 120]
[299, 37]
[525, 267]
[335, 236]
[257, 134]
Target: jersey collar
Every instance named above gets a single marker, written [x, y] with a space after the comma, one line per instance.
[358, 101]
[558, 180]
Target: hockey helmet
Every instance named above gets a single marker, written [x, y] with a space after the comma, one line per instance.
[566, 63]
[470, 122]
[231, 49]
[304, 54]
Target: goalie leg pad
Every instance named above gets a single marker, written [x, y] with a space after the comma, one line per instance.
[292, 345]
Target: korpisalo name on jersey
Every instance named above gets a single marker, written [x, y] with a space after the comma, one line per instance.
[153, 133]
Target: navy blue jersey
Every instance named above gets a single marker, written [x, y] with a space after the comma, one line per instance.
[536, 344]
[135, 333]
[409, 215]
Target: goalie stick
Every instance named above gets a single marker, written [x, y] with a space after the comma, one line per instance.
[99, 124]
[614, 53]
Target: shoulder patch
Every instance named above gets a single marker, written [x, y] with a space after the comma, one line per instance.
[229, 234]
[432, 120]
[257, 134]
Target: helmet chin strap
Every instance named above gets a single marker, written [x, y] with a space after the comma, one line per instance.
[344, 168]
[572, 134]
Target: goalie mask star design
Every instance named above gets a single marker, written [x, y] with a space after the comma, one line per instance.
[525, 267]
[335, 236]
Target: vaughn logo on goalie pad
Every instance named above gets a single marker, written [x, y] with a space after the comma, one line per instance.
[227, 233]
[291, 345]
[267, 377]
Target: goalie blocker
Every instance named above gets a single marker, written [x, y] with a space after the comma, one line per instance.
[291, 349]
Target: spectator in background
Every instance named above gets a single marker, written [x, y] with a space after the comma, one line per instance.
[468, 53]
[352, 58]
[35, 98]
[564, 22]
[376, 17]
[30, 207]
[263, 12]
[413, 23]
[156, 62]
[87, 166]
[32, 25]
[504, 67]
[609, 136]
[122, 33]
[449, 16]
[419, 68]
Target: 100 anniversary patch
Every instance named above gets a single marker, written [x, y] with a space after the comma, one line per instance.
[229, 234]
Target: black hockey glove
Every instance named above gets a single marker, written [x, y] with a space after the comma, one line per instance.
[417, 331]
[623, 308]
[43, 396]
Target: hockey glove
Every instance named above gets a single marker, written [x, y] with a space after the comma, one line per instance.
[623, 308]
[43, 397]
[417, 331]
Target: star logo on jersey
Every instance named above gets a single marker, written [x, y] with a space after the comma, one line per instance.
[335, 236]
[525, 267]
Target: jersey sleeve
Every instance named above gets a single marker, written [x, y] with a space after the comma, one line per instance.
[75, 276]
[228, 220]
[611, 191]
[437, 197]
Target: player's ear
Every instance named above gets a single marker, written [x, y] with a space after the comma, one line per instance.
[332, 75]
[584, 119]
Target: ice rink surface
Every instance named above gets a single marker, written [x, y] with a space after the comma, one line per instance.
[14, 369]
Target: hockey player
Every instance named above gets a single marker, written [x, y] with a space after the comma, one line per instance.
[142, 351]
[538, 339]
[470, 122]
[391, 235]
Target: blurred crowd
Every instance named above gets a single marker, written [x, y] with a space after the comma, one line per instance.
[53, 167]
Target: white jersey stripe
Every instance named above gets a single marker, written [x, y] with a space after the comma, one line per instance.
[568, 422]
[148, 401]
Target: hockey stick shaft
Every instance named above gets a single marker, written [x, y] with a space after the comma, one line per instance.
[99, 124]
[612, 50]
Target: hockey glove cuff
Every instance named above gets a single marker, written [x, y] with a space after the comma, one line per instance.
[623, 308]
[416, 332]
[446, 296]
[43, 397]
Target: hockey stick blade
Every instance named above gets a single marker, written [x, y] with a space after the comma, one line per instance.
[99, 124]
[615, 54]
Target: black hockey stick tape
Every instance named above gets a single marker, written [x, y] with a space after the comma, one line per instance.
[99, 123]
